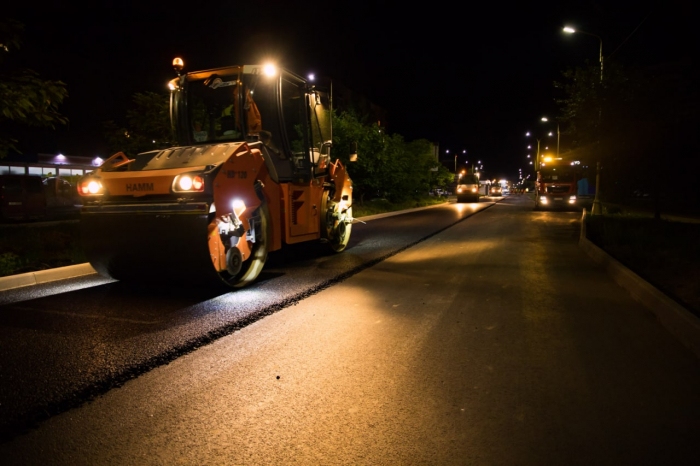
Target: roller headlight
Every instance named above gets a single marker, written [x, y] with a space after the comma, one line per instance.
[188, 183]
[90, 186]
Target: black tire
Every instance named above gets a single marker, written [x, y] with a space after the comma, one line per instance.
[337, 233]
[251, 268]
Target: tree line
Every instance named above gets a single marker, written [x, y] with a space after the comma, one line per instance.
[639, 122]
[25, 98]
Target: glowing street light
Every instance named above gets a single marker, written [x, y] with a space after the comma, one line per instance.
[597, 206]
[537, 154]
[570, 30]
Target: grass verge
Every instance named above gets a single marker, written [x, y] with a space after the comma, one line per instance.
[664, 253]
[29, 248]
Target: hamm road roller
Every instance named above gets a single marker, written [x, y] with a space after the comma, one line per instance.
[252, 171]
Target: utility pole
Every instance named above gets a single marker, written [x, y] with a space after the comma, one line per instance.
[597, 208]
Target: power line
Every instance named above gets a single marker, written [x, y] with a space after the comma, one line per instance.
[631, 34]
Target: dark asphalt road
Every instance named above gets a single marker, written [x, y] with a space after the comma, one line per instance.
[63, 343]
[496, 341]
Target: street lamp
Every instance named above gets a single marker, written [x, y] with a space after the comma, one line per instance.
[570, 30]
[545, 119]
[463, 152]
[537, 154]
[597, 207]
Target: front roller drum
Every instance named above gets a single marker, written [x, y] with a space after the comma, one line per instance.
[164, 247]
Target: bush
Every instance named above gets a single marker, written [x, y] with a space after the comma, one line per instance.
[28, 248]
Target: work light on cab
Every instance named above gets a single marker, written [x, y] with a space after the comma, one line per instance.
[269, 69]
[178, 65]
[238, 207]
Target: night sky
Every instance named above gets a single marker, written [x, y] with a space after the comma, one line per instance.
[467, 75]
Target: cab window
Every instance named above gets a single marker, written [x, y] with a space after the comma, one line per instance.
[263, 95]
[294, 117]
[320, 121]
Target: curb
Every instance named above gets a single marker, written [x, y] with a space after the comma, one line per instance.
[72, 271]
[682, 324]
[44, 276]
[399, 212]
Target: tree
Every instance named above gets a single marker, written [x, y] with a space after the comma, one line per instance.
[641, 117]
[387, 165]
[147, 125]
[25, 98]
[371, 165]
[591, 107]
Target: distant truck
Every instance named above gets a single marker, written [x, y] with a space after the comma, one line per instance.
[468, 188]
[557, 185]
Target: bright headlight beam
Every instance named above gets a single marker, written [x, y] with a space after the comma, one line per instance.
[185, 183]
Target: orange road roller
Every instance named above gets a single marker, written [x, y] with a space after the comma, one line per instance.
[251, 171]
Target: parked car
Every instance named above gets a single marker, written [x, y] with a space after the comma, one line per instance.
[22, 197]
[60, 193]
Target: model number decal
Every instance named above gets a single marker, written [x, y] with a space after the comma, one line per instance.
[236, 174]
[134, 187]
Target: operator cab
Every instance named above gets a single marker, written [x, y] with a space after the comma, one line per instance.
[271, 109]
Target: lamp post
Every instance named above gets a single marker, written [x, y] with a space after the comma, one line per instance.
[597, 208]
[570, 30]
[545, 119]
[537, 155]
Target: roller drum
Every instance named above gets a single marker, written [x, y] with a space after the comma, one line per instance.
[149, 243]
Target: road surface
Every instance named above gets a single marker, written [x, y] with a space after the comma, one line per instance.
[494, 341]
